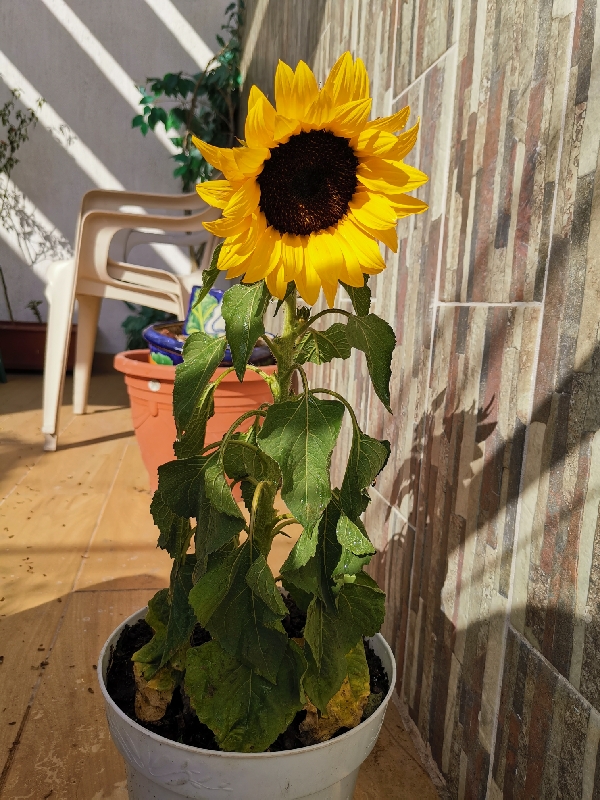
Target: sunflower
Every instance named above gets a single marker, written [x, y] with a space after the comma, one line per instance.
[315, 185]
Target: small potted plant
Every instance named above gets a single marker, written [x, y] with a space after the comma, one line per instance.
[235, 682]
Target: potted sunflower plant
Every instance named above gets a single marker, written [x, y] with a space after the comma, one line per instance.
[236, 682]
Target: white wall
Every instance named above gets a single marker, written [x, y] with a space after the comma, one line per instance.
[85, 58]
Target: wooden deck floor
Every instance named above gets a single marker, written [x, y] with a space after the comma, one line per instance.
[77, 555]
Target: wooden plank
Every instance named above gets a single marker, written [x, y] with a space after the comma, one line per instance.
[65, 745]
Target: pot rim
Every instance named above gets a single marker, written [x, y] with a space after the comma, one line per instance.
[233, 754]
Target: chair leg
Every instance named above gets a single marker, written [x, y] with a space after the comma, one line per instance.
[60, 294]
[87, 327]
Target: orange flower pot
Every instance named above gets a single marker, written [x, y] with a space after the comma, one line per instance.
[150, 388]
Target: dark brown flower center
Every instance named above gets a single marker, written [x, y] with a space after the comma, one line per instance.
[308, 182]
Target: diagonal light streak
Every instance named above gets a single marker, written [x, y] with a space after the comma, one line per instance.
[105, 62]
[181, 29]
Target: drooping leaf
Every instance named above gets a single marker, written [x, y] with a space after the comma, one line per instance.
[238, 619]
[245, 712]
[300, 435]
[179, 484]
[327, 666]
[175, 531]
[243, 309]
[320, 347]
[217, 488]
[157, 617]
[352, 538]
[262, 583]
[181, 614]
[367, 458]
[349, 564]
[214, 529]
[202, 354]
[209, 276]
[361, 609]
[304, 549]
[377, 340]
[242, 458]
[193, 439]
[263, 516]
[360, 297]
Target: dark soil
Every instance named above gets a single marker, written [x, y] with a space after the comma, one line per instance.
[180, 723]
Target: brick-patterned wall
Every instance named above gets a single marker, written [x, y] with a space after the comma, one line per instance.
[486, 519]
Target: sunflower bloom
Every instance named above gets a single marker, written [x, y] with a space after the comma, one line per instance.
[315, 186]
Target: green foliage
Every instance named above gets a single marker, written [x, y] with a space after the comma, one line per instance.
[134, 324]
[203, 104]
[250, 680]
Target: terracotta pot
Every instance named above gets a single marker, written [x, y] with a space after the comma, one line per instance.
[23, 344]
[150, 388]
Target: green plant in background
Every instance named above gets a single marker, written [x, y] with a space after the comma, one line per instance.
[134, 324]
[203, 104]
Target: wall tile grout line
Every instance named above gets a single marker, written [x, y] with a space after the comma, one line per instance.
[482, 304]
[414, 82]
[534, 371]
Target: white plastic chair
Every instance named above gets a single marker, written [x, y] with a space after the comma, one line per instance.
[105, 227]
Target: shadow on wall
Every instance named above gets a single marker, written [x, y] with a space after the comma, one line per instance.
[481, 686]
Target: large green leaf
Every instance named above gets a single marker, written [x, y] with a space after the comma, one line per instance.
[300, 435]
[243, 309]
[262, 583]
[244, 625]
[175, 531]
[181, 615]
[377, 340]
[214, 529]
[360, 297]
[243, 458]
[179, 484]
[202, 354]
[263, 516]
[304, 549]
[217, 488]
[192, 441]
[367, 458]
[361, 609]
[245, 712]
[322, 346]
[326, 656]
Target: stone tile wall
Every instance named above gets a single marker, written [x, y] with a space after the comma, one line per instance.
[486, 520]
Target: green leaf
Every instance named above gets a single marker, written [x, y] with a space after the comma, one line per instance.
[300, 435]
[360, 297]
[367, 458]
[179, 485]
[377, 340]
[322, 346]
[181, 614]
[350, 537]
[209, 276]
[157, 617]
[192, 441]
[262, 583]
[214, 529]
[242, 458]
[304, 549]
[244, 625]
[245, 712]
[361, 609]
[326, 656]
[243, 309]
[349, 564]
[217, 488]
[202, 354]
[263, 516]
[175, 531]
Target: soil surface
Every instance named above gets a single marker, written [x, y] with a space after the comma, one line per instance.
[180, 723]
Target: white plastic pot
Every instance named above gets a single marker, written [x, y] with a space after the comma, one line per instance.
[159, 769]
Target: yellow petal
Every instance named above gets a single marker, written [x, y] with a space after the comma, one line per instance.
[340, 81]
[372, 210]
[330, 290]
[250, 160]
[244, 201]
[239, 268]
[389, 177]
[308, 282]
[215, 193]
[354, 274]
[305, 89]
[227, 227]
[284, 128]
[330, 264]
[370, 142]
[284, 82]
[366, 248]
[254, 95]
[266, 256]
[320, 112]
[221, 158]
[392, 124]
[405, 204]
[292, 255]
[276, 283]
[260, 122]
[404, 143]
[351, 117]
[361, 80]
[386, 235]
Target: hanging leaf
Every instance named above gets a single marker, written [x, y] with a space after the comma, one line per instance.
[377, 340]
[320, 347]
[243, 309]
[193, 439]
[179, 485]
[175, 531]
[245, 711]
[352, 538]
[367, 458]
[181, 614]
[157, 618]
[326, 656]
[300, 434]
[217, 488]
[360, 297]
[361, 608]
[202, 354]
